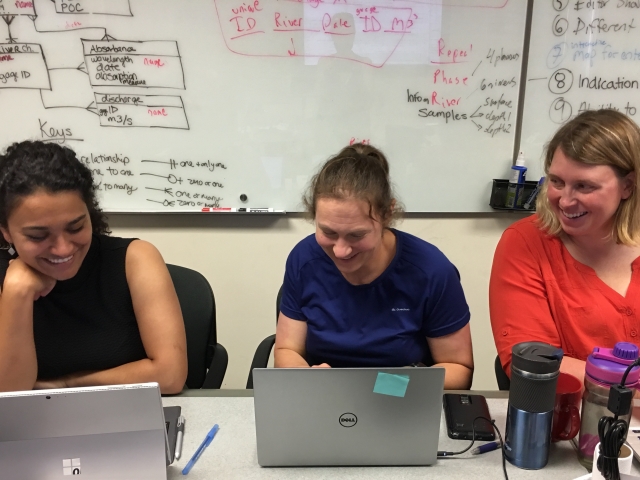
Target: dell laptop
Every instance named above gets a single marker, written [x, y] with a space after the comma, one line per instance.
[345, 416]
[98, 433]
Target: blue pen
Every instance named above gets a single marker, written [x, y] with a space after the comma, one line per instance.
[205, 443]
[487, 447]
[534, 194]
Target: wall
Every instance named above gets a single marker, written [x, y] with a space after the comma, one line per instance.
[243, 258]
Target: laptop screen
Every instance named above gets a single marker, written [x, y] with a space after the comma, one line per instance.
[116, 431]
[347, 416]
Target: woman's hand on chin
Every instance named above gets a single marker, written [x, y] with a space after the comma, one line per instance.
[21, 275]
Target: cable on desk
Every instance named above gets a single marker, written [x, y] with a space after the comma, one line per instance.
[444, 454]
[613, 431]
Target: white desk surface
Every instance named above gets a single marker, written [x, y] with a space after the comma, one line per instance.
[232, 454]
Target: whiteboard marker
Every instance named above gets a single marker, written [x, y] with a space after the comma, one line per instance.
[259, 210]
[218, 209]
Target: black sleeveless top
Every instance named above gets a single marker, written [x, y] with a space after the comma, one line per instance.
[87, 322]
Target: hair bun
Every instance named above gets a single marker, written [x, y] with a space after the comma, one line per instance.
[371, 153]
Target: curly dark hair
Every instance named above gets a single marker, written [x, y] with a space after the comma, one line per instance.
[33, 165]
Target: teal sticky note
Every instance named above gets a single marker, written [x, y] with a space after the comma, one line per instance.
[391, 384]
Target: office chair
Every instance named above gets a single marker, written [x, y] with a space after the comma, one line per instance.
[504, 382]
[207, 359]
[261, 357]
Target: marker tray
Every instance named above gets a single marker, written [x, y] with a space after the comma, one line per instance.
[499, 195]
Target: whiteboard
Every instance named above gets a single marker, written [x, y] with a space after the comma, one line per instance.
[179, 105]
[584, 54]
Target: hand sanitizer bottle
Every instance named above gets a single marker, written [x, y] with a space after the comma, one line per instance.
[516, 183]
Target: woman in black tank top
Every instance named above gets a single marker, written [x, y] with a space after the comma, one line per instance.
[78, 307]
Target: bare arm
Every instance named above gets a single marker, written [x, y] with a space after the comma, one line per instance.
[454, 353]
[291, 336]
[18, 361]
[161, 328]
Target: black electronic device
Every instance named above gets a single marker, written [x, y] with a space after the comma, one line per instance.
[171, 415]
[460, 410]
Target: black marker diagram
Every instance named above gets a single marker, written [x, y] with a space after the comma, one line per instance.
[108, 62]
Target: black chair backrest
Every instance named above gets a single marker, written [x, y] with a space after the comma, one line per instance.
[263, 352]
[199, 312]
[504, 382]
[278, 301]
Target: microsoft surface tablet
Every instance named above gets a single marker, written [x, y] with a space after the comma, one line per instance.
[343, 416]
[97, 432]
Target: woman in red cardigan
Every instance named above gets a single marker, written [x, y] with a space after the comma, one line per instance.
[570, 274]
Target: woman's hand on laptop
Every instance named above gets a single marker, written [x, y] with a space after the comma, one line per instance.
[70, 380]
[322, 365]
[50, 384]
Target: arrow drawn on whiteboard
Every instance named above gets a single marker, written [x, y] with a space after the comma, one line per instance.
[172, 163]
[476, 114]
[472, 93]
[168, 191]
[80, 68]
[171, 177]
[33, 18]
[294, 49]
[476, 68]
[89, 108]
[8, 19]
[479, 126]
[165, 203]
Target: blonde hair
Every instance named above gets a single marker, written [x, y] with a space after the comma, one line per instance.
[598, 137]
[360, 171]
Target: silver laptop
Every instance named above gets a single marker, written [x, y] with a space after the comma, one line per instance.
[98, 433]
[333, 416]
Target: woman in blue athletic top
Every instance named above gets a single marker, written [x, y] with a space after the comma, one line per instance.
[361, 294]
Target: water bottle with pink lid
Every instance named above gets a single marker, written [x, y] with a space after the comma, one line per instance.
[605, 367]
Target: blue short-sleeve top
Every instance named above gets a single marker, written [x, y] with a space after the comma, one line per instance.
[384, 323]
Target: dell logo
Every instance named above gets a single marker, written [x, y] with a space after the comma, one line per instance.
[348, 419]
